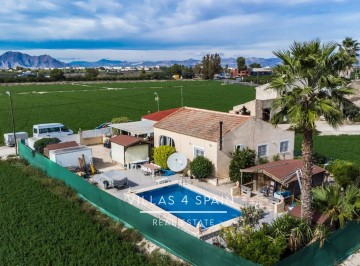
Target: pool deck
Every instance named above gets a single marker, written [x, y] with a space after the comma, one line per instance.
[139, 182]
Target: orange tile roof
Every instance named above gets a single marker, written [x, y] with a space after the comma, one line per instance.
[283, 170]
[127, 141]
[160, 115]
[200, 123]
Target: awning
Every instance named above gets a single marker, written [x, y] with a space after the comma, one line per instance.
[145, 127]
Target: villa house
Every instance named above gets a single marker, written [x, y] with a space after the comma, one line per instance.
[198, 132]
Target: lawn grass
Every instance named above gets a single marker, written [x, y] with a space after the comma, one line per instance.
[343, 147]
[43, 222]
[87, 105]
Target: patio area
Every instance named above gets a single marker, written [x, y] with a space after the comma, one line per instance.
[138, 182]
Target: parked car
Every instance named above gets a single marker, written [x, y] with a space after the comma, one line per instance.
[103, 125]
[51, 130]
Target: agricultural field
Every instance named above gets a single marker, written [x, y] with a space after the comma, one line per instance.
[43, 222]
[343, 147]
[86, 105]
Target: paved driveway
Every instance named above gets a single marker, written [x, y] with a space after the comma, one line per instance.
[5, 151]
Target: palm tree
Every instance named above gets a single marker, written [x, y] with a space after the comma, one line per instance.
[310, 86]
[341, 206]
[349, 49]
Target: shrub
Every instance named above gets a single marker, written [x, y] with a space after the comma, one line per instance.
[256, 246]
[240, 159]
[161, 155]
[118, 120]
[201, 167]
[276, 157]
[40, 144]
[345, 173]
[262, 160]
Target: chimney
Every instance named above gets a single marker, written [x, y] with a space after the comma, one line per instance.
[221, 128]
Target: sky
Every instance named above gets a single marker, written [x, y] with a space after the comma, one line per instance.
[138, 30]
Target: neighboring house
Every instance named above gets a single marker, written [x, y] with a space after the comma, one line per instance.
[261, 71]
[128, 149]
[261, 107]
[196, 132]
[157, 116]
[281, 175]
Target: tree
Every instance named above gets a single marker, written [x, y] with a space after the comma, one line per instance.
[254, 65]
[162, 154]
[345, 173]
[310, 86]
[340, 205]
[91, 73]
[57, 74]
[240, 159]
[241, 65]
[211, 65]
[349, 49]
[118, 120]
[40, 144]
[201, 167]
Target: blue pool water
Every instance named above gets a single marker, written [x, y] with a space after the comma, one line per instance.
[190, 206]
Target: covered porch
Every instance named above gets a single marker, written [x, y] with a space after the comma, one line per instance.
[277, 180]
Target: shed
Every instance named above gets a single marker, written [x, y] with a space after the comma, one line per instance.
[128, 149]
[58, 146]
[69, 157]
[282, 175]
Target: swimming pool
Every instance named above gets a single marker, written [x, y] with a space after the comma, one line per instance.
[190, 206]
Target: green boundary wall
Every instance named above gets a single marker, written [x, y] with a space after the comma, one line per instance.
[337, 247]
[181, 244]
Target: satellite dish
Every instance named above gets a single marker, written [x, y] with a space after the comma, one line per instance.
[177, 162]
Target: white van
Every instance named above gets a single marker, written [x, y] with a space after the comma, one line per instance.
[51, 130]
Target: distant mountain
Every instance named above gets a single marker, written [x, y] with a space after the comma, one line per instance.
[14, 59]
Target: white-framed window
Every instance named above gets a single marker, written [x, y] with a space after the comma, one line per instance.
[239, 146]
[198, 151]
[284, 146]
[262, 150]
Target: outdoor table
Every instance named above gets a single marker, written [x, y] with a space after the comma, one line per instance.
[150, 168]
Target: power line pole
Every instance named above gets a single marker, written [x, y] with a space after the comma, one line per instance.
[13, 120]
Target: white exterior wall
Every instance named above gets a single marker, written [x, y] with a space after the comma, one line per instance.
[264, 93]
[117, 153]
[185, 145]
[68, 159]
[135, 153]
[257, 132]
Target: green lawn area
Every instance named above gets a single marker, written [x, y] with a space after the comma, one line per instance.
[42, 222]
[343, 147]
[87, 105]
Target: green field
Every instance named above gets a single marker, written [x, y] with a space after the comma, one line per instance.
[344, 147]
[87, 105]
[43, 222]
